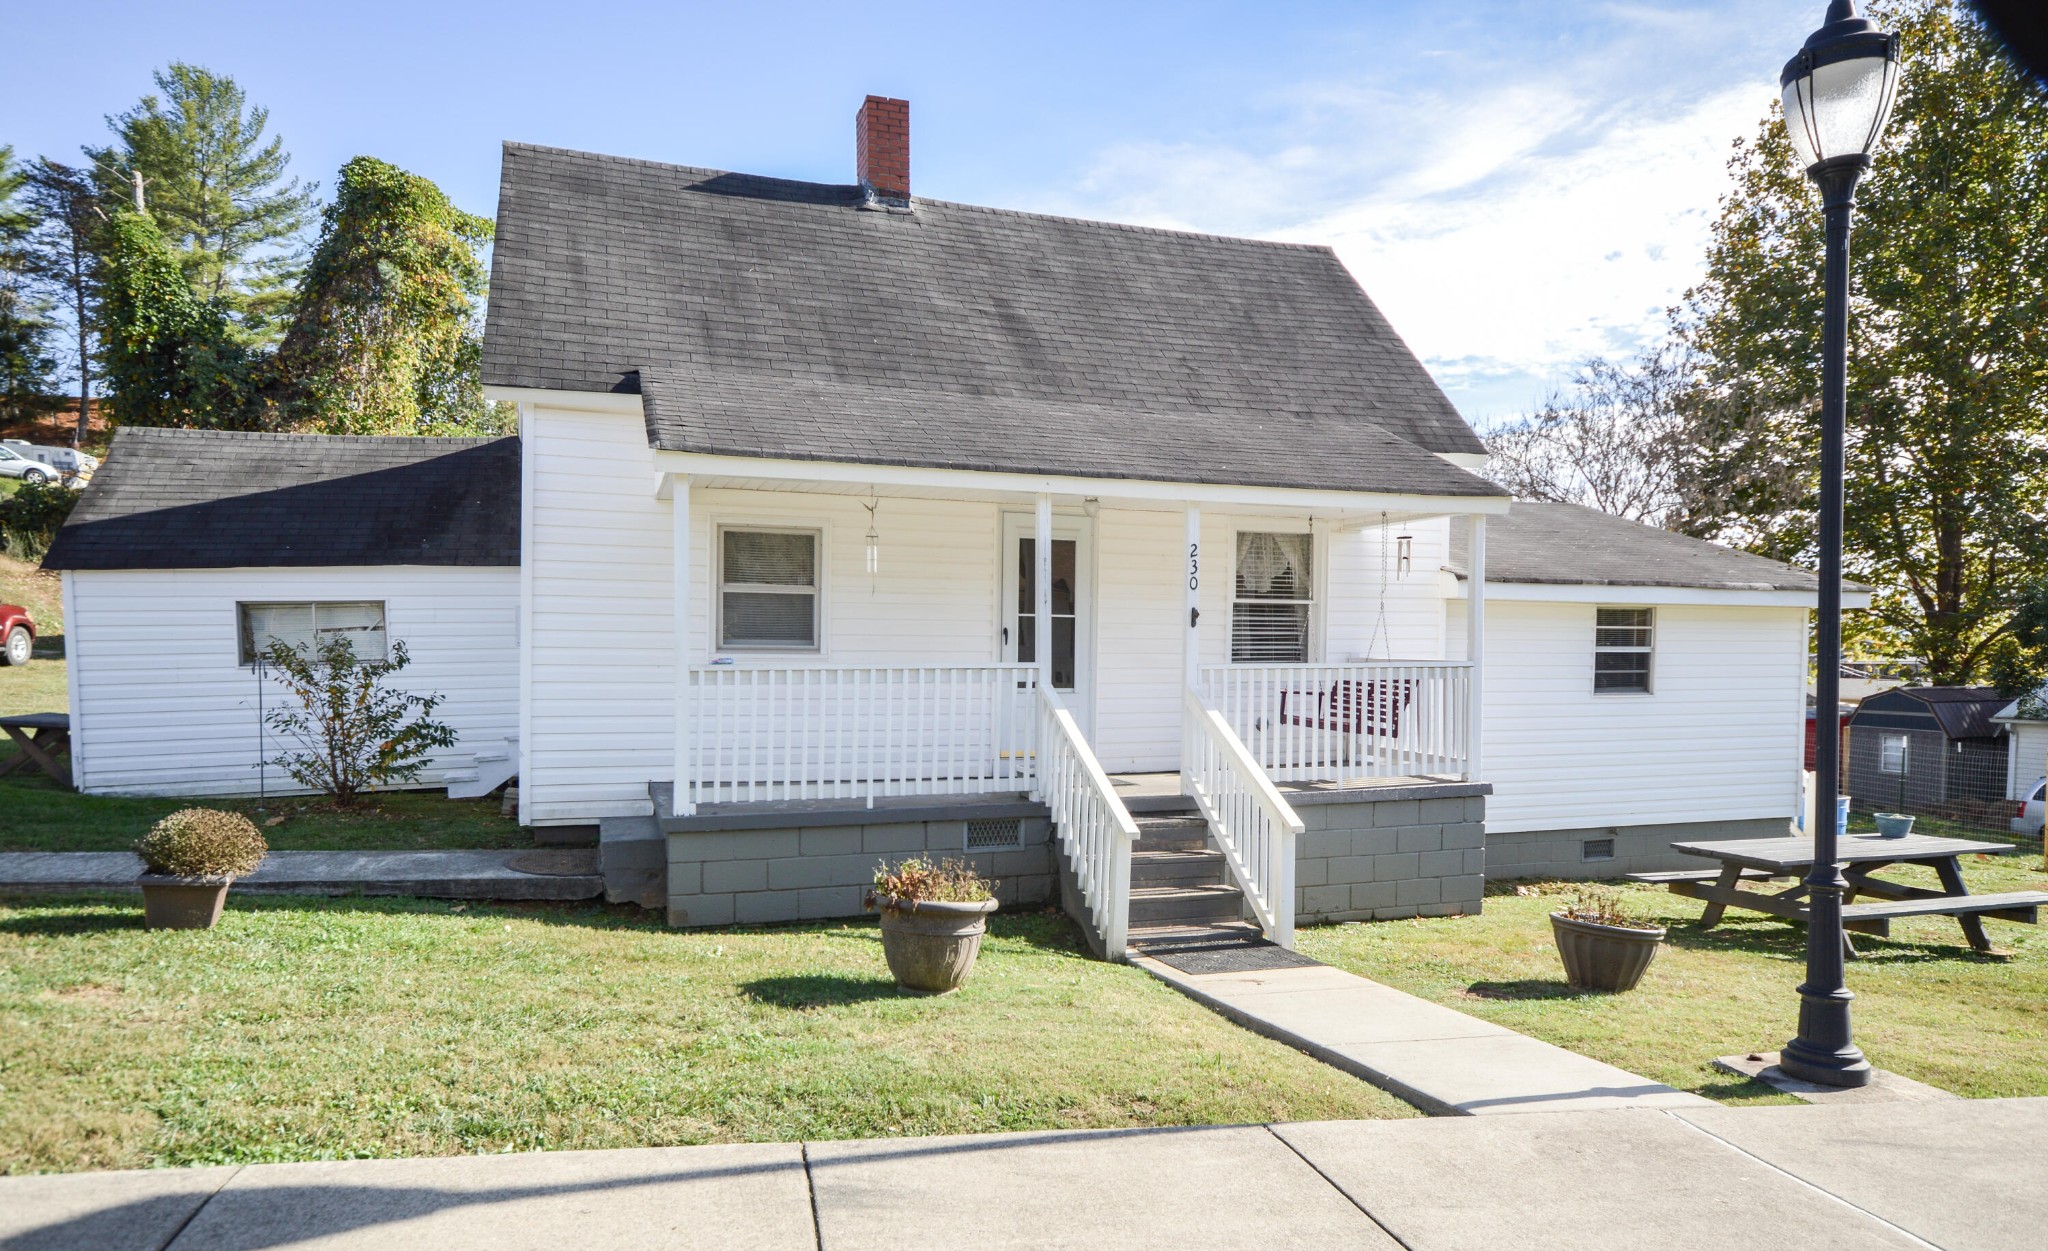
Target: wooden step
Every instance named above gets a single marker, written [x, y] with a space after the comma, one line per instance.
[1219, 934]
[1177, 868]
[1171, 834]
[1182, 905]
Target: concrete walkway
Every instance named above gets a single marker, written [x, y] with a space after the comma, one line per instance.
[563, 874]
[1438, 1059]
[1952, 1175]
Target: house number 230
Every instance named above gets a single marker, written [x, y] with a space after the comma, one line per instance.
[1194, 566]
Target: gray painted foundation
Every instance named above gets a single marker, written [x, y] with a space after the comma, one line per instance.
[1395, 851]
[1611, 850]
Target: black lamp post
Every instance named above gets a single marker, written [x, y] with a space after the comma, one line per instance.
[1838, 94]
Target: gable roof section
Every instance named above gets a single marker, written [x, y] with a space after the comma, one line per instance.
[605, 268]
[1958, 711]
[209, 499]
[1566, 545]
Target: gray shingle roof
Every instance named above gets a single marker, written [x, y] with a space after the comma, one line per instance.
[208, 499]
[605, 266]
[1563, 544]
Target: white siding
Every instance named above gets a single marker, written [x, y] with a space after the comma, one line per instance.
[161, 704]
[1414, 625]
[1141, 612]
[1718, 739]
[2026, 757]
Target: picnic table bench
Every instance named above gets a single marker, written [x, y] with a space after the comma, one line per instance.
[1861, 856]
[41, 737]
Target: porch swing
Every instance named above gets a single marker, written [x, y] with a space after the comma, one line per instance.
[1360, 707]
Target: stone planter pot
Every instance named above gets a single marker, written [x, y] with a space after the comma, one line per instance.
[182, 903]
[1894, 824]
[931, 946]
[1603, 957]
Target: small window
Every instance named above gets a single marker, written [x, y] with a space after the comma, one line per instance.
[1891, 754]
[1273, 600]
[1622, 644]
[768, 590]
[311, 625]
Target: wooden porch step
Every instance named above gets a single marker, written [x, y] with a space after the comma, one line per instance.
[2019, 905]
[1177, 868]
[1171, 834]
[1183, 905]
[1219, 934]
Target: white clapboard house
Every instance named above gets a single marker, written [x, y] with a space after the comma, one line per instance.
[1148, 569]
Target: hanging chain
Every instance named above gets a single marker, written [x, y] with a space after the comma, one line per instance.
[1380, 628]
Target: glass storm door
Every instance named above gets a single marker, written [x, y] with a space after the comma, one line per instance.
[1070, 603]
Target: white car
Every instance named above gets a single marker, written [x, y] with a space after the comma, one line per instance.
[14, 465]
[69, 463]
[2027, 820]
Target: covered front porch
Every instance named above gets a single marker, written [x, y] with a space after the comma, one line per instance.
[862, 637]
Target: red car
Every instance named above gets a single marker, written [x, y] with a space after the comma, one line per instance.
[17, 634]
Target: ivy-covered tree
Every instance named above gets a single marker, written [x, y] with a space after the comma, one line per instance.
[171, 356]
[1947, 500]
[387, 336]
[218, 190]
[27, 369]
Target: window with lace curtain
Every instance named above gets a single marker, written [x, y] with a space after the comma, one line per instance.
[768, 590]
[1272, 599]
[310, 625]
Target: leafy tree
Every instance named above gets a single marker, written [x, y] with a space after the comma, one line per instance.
[196, 156]
[353, 731]
[171, 358]
[26, 366]
[1948, 369]
[387, 335]
[63, 257]
[1612, 441]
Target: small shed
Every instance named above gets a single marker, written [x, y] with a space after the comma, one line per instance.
[1930, 749]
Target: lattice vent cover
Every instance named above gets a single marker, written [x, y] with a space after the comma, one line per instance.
[994, 832]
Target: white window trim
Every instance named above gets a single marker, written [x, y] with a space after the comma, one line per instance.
[719, 647]
[1318, 572]
[1649, 686]
[243, 650]
[1885, 739]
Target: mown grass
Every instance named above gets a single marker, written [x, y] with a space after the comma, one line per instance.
[320, 1029]
[1927, 1006]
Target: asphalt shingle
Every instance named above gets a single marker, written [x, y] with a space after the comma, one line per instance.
[1566, 545]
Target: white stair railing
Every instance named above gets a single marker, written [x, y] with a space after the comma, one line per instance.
[1349, 722]
[856, 733]
[1253, 826]
[1095, 830]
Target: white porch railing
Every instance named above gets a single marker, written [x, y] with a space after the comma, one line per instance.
[1341, 723]
[760, 734]
[1095, 830]
[1252, 824]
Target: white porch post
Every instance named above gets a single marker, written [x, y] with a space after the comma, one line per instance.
[1475, 646]
[679, 493]
[1041, 579]
[1191, 636]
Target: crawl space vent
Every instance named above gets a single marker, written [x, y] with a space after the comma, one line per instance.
[989, 833]
[1597, 849]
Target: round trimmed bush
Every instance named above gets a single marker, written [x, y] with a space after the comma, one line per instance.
[203, 842]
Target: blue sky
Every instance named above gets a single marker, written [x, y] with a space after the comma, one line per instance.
[1518, 185]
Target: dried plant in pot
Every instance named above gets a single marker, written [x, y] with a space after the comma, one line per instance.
[190, 858]
[1604, 943]
[933, 917]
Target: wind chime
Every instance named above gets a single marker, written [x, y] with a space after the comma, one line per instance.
[1394, 564]
[874, 539]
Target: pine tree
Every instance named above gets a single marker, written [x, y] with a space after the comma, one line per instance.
[26, 366]
[64, 200]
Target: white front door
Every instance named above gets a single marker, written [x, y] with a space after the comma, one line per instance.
[1073, 607]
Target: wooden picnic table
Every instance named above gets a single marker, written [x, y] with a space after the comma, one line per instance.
[1861, 856]
[41, 737]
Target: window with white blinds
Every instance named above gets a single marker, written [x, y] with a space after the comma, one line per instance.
[1623, 642]
[1273, 599]
[768, 590]
[308, 626]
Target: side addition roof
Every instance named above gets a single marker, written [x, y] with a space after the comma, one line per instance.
[615, 275]
[1566, 545]
[206, 499]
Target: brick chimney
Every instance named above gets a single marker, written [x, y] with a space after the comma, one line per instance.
[881, 135]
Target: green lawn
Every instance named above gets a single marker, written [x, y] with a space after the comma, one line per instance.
[317, 1029]
[1927, 1006]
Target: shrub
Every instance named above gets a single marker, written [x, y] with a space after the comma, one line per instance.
[353, 731]
[917, 880]
[29, 518]
[202, 842]
[1604, 905]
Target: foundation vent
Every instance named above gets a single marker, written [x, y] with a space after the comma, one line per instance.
[990, 833]
[1597, 849]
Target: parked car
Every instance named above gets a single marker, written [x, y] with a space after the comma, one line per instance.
[70, 463]
[17, 635]
[2028, 819]
[14, 465]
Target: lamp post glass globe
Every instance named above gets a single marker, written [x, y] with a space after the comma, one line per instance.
[1839, 89]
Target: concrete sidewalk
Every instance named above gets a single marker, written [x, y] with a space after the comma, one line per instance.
[1954, 1175]
[563, 874]
[1439, 1059]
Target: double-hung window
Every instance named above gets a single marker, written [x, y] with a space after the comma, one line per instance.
[310, 626]
[1272, 600]
[768, 590]
[1623, 641]
[1891, 754]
